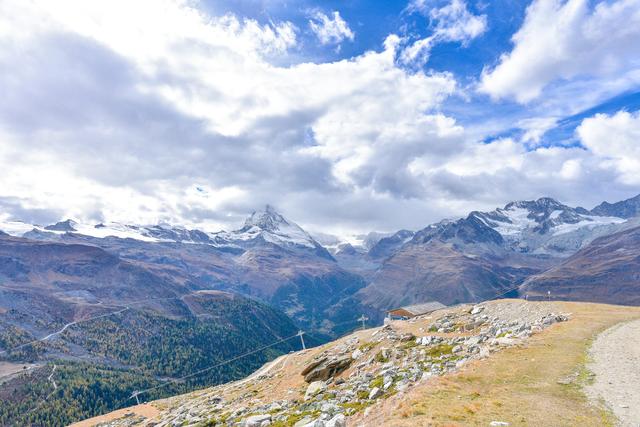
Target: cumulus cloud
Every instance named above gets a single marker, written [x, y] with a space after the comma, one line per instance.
[145, 113]
[450, 23]
[561, 40]
[330, 30]
[615, 140]
[133, 114]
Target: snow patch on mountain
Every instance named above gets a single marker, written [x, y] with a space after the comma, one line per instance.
[589, 222]
[516, 221]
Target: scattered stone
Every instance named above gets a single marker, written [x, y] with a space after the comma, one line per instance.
[337, 421]
[476, 310]
[314, 388]
[304, 422]
[375, 393]
[258, 420]
[393, 365]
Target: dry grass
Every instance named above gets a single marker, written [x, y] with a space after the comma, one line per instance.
[518, 385]
[144, 410]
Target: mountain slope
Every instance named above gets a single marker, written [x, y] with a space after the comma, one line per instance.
[270, 258]
[438, 271]
[402, 374]
[114, 326]
[607, 270]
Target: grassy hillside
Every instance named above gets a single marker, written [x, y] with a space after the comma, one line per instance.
[538, 384]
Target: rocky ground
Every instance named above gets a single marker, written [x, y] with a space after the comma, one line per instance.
[339, 383]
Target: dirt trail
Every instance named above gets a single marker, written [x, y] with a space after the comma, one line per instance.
[616, 363]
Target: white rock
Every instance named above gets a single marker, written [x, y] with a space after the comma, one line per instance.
[257, 420]
[356, 354]
[476, 310]
[337, 421]
[498, 423]
[303, 422]
[375, 393]
[314, 388]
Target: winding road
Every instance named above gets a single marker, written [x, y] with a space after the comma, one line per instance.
[64, 328]
[616, 365]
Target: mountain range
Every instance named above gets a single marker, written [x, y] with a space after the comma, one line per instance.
[169, 284]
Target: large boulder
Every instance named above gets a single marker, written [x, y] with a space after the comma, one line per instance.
[326, 367]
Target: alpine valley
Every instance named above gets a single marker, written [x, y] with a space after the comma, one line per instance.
[93, 312]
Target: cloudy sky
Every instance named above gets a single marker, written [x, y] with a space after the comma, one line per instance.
[348, 116]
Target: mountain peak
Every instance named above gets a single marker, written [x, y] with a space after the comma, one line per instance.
[267, 219]
[67, 225]
[543, 203]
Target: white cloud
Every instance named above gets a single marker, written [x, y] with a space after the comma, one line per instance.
[450, 23]
[490, 158]
[143, 104]
[535, 128]
[615, 140]
[150, 113]
[562, 40]
[330, 30]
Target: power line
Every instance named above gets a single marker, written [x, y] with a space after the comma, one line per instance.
[135, 394]
[88, 319]
[224, 362]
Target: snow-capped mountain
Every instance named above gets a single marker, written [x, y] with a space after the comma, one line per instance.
[263, 226]
[269, 226]
[153, 233]
[540, 227]
[546, 226]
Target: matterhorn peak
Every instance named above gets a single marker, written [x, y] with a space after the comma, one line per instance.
[267, 219]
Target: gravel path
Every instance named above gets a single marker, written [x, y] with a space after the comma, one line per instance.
[616, 364]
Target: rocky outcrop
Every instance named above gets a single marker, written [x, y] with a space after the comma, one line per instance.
[326, 367]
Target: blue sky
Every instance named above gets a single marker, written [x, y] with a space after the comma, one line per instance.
[348, 116]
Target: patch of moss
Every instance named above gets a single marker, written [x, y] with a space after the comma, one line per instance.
[377, 382]
[294, 418]
[355, 407]
[219, 420]
[367, 346]
[409, 344]
[381, 358]
[440, 350]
